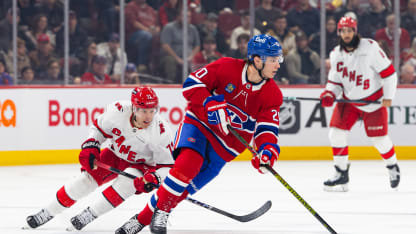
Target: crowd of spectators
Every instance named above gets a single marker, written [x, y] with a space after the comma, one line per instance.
[216, 28]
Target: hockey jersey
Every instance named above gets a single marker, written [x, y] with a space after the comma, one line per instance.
[151, 146]
[363, 74]
[253, 108]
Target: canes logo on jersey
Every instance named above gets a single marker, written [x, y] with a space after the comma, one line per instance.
[240, 120]
[352, 76]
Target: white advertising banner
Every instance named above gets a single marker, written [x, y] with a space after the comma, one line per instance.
[58, 118]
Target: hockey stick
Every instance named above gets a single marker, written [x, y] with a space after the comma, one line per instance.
[287, 186]
[336, 100]
[241, 218]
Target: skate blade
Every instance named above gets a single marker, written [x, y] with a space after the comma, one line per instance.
[70, 229]
[26, 227]
[336, 188]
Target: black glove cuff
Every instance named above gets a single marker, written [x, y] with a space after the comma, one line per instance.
[91, 144]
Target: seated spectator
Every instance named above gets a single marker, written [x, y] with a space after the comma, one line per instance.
[303, 63]
[243, 28]
[410, 55]
[280, 31]
[241, 51]
[350, 6]
[373, 19]
[23, 59]
[407, 74]
[54, 11]
[210, 28]
[130, 74]
[141, 28]
[28, 77]
[85, 62]
[77, 38]
[303, 17]
[6, 29]
[5, 78]
[408, 18]
[387, 34]
[54, 74]
[207, 55]
[112, 52]
[40, 26]
[168, 11]
[39, 58]
[27, 9]
[171, 38]
[97, 73]
[331, 37]
[265, 15]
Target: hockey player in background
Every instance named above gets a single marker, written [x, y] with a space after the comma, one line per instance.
[360, 70]
[140, 144]
[241, 93]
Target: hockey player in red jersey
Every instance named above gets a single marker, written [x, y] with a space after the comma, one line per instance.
[231, 91]
[140, 144]
[360, 70]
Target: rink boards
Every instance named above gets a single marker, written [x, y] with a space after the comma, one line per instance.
[46, 125]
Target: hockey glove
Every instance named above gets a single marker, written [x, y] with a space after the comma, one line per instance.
[147, 183]
[90, 151]
[267, 155]
[217, 112]
[327, 98]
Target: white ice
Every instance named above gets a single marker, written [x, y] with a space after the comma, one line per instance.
[369, 207]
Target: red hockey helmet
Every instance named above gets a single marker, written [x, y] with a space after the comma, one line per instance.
[347, 22]
[144, 97]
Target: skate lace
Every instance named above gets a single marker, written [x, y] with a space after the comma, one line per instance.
[42, 217]
[86, 217]
[132, 226]
[161, 219]
[394, 174]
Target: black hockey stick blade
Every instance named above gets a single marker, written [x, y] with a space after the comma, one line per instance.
[241, 218]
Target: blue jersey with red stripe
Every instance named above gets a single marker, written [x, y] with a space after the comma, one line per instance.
[254, 108]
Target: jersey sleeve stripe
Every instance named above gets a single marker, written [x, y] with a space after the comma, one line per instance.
[387, 72]
[192, 82]
[334, 83]
[101, 130]
[263, 128]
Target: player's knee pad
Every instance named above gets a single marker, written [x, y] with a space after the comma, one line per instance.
[338, 137]
[81, 186]
[383, 144]
[125, 186]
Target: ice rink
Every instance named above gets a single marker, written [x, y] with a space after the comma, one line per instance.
[369, 207]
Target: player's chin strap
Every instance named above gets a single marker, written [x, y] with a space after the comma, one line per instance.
[291, 190]
[260, 70]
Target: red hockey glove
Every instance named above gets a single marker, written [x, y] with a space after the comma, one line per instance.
[147, 183]
[90, 151]
[267, 155]
[217, 111]
[327, 98]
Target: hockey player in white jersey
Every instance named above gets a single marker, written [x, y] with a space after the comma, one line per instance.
[140, 144]
[360, 70]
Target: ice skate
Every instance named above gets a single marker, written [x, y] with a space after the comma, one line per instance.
[338, 183]
[132, 226]
[159, 221]
[38, 219]
[81, 220]
[394, 172]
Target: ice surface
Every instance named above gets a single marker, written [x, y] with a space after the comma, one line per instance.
[369, 207]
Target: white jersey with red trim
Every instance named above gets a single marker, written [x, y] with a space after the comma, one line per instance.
[363, 74]
[151, 145]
